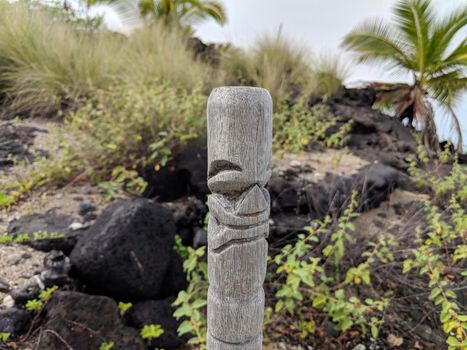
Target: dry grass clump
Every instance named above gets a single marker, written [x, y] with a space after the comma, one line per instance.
[47, 65]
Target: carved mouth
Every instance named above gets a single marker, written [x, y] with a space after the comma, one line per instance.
[238, 241]
[222, 237]
[228, 217]
[218, 166]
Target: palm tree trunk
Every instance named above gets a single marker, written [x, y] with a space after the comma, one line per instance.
[429, 132]
[457, 126]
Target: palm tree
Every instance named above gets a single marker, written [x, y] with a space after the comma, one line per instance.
[422, 45]
[184, 12]
[181, 13]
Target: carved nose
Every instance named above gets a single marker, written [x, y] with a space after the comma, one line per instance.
[254, 202]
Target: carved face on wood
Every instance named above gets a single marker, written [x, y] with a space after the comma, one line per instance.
[239, 151]
[239, 139]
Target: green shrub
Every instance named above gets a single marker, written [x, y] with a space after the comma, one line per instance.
[440, 246]
[114, 135]
[191, 304]
[132, 127]
[296, 126]
[427, 177]
[318, 282]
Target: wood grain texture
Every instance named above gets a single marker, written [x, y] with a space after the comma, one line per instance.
[239, 152]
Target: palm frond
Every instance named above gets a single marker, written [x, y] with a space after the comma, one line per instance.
[444, 32]
[202, 9]
[128, 11]
[414, 18]
[146, 7]
[376, 41]
[457, 57]
[393, 96]
[446, 87]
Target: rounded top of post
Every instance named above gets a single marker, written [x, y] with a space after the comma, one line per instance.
[239, 94]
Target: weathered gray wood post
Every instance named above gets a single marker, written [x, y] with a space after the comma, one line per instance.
[239, 151]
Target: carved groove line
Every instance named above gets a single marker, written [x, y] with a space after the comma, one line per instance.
[234, 241]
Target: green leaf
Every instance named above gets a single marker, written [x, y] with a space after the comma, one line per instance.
[366, 277]
[340, 294]
[46, 294]
[107, 346]
[451, 294]
[374, 332]
[124, 307]
[452, 341]
[185, 327]
[346, 324]
[283, 292]
[199, 303]
[34, 305]
[435, 292]
[194, 341]
[4, 336]
[448, 327]
[327, 250]
[279, 306]
[151, 331]
[6, 200]
[320, 301]
[407, 266]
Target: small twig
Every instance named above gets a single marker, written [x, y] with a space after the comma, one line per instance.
[59, 337]
[90, 330]
[38, 339]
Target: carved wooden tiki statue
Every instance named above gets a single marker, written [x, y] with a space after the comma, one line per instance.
[239, 151]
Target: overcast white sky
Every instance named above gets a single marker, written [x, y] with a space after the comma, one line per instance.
[318, 24]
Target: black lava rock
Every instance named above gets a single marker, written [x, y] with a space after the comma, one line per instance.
[184, 175]
[86, 207]
[295, 202]
[156, 312]
[15, 141]
[126, 253]
[175, 279]
[89, 216]
[375, 183]
[85, 322]
[56, 268]
[14, 321]
[201, 238]
[189, 215]
[22, 295]
[50, 222]
[4, 286]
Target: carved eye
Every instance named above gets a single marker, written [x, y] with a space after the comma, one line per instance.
[221, 165]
